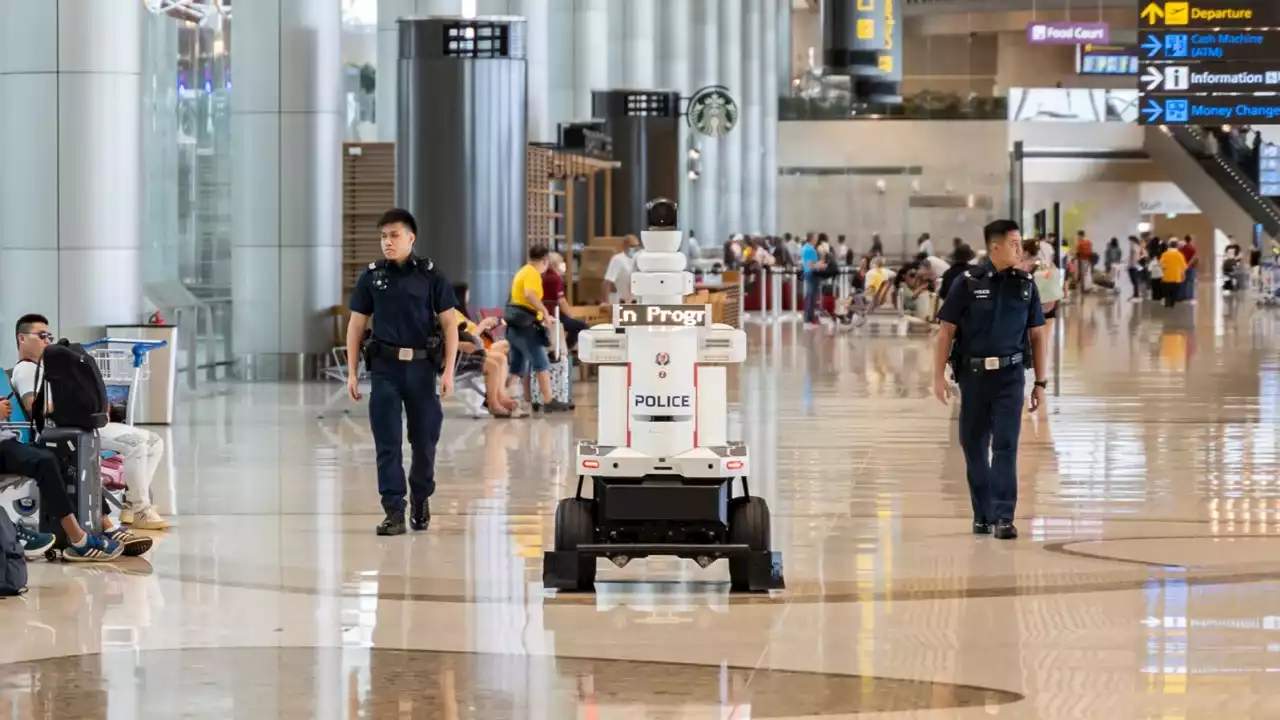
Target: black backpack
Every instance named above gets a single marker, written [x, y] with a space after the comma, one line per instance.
[13, 561]
[81, 401]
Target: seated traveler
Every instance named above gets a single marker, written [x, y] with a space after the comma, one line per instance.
[478, 352]
[141, 450]
[527, 323]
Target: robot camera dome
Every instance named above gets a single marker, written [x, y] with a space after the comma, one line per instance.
[662, 214]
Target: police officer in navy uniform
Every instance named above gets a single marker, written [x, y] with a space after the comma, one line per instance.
[414, 340]
[991, 314]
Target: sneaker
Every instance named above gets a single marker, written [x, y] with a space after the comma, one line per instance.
[145, 518]
[95, 548]
[392, 524]
[126, 514]
[134, 545]
[554, 406]
[34, 542]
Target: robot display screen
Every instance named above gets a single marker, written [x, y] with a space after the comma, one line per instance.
[661, 316]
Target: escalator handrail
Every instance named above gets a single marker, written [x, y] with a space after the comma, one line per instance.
[1262, 209]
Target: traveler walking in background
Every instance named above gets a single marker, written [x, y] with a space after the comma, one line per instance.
[528, 322]
[810, 264]
[1173, 271]
[617, 276]
[1136, 261]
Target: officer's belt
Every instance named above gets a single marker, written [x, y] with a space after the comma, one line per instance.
[382, 351]
[993, 363]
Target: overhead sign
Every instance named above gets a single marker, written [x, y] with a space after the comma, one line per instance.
[1210, 77]
[1208, 45]
[1209, 14]
[1210, 110]
[1067, 33]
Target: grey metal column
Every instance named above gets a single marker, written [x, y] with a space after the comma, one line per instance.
[389, 11]
[70, 164]
[287, 115]
[461, 145]
[731, 145]
[863, 39]
[645, 127]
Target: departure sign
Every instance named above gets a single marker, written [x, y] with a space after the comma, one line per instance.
[1202, 62]
[1208, 14]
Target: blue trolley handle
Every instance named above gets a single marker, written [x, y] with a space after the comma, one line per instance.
[140, 348]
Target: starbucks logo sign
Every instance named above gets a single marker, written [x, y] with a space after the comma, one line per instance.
[712, 111]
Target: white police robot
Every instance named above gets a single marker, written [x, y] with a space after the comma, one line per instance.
[663, 473]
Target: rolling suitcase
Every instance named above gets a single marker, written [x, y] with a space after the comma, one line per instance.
[78, 452]
[561, 364]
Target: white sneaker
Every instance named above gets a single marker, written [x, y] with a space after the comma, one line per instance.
[145, 519]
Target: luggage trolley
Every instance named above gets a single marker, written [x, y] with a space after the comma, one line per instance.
[122, 368]
[1266, 284]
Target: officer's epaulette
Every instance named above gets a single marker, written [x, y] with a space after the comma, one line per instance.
[979, 271]
[374, 265]
[1022, 274]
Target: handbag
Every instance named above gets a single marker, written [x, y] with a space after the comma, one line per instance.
[1048, 284]
[519, 316]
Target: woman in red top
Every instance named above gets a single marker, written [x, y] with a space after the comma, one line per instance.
[1188, 250]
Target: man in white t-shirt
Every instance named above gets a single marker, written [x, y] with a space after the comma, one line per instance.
[142, 450]
[617, 277]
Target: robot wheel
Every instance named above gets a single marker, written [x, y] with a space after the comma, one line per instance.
[749, 524]
[576, 525]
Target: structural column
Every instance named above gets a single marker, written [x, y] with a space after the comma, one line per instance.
[591, 53]
[706, 191]
[640, 34]
[286, 120]
[676, 73]
[775, 83]
[70, 183]
[537, 18]
[730, 44]
[388, 51]
[752, 128]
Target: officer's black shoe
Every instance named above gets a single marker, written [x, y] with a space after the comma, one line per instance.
[1005, 530]
[392, 524]
[420, 515]
[981, 528]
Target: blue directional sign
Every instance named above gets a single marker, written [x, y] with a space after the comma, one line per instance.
[1210, 45]
[1211, 110]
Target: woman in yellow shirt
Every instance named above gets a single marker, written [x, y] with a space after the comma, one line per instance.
[477, 351]
[1173, 265]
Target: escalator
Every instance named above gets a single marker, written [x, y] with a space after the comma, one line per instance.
[1220, 189]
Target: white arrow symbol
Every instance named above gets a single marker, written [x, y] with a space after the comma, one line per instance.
[1152, 77]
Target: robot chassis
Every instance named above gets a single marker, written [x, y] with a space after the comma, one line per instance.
[662, 472]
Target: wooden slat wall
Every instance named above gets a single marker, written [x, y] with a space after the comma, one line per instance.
[368, 190]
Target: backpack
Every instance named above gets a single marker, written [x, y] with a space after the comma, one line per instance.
[13, 561]
[82, 395]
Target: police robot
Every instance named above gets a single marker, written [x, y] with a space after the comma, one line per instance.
[663, 477]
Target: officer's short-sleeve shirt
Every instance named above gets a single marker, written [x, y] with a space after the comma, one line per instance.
[404, 311]
[993, 317]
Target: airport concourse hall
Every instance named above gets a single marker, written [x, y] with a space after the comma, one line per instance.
[621, 359]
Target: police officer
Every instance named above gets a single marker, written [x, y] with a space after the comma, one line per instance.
[990, 313]
[414, 338]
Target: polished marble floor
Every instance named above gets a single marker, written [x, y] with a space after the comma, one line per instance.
[1144, 585]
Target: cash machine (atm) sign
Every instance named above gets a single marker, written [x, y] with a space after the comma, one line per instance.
[1208, 13]
[661, 315]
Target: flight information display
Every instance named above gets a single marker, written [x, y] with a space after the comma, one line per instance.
[1106, 59]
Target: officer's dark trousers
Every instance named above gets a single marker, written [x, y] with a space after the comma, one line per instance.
[990, 419]
[410, 386]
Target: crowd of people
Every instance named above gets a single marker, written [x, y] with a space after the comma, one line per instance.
[1240, 145]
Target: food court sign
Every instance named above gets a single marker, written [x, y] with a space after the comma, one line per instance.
[1068, 33]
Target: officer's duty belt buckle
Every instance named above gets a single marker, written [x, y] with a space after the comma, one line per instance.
[404, 354]
[991, 363]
